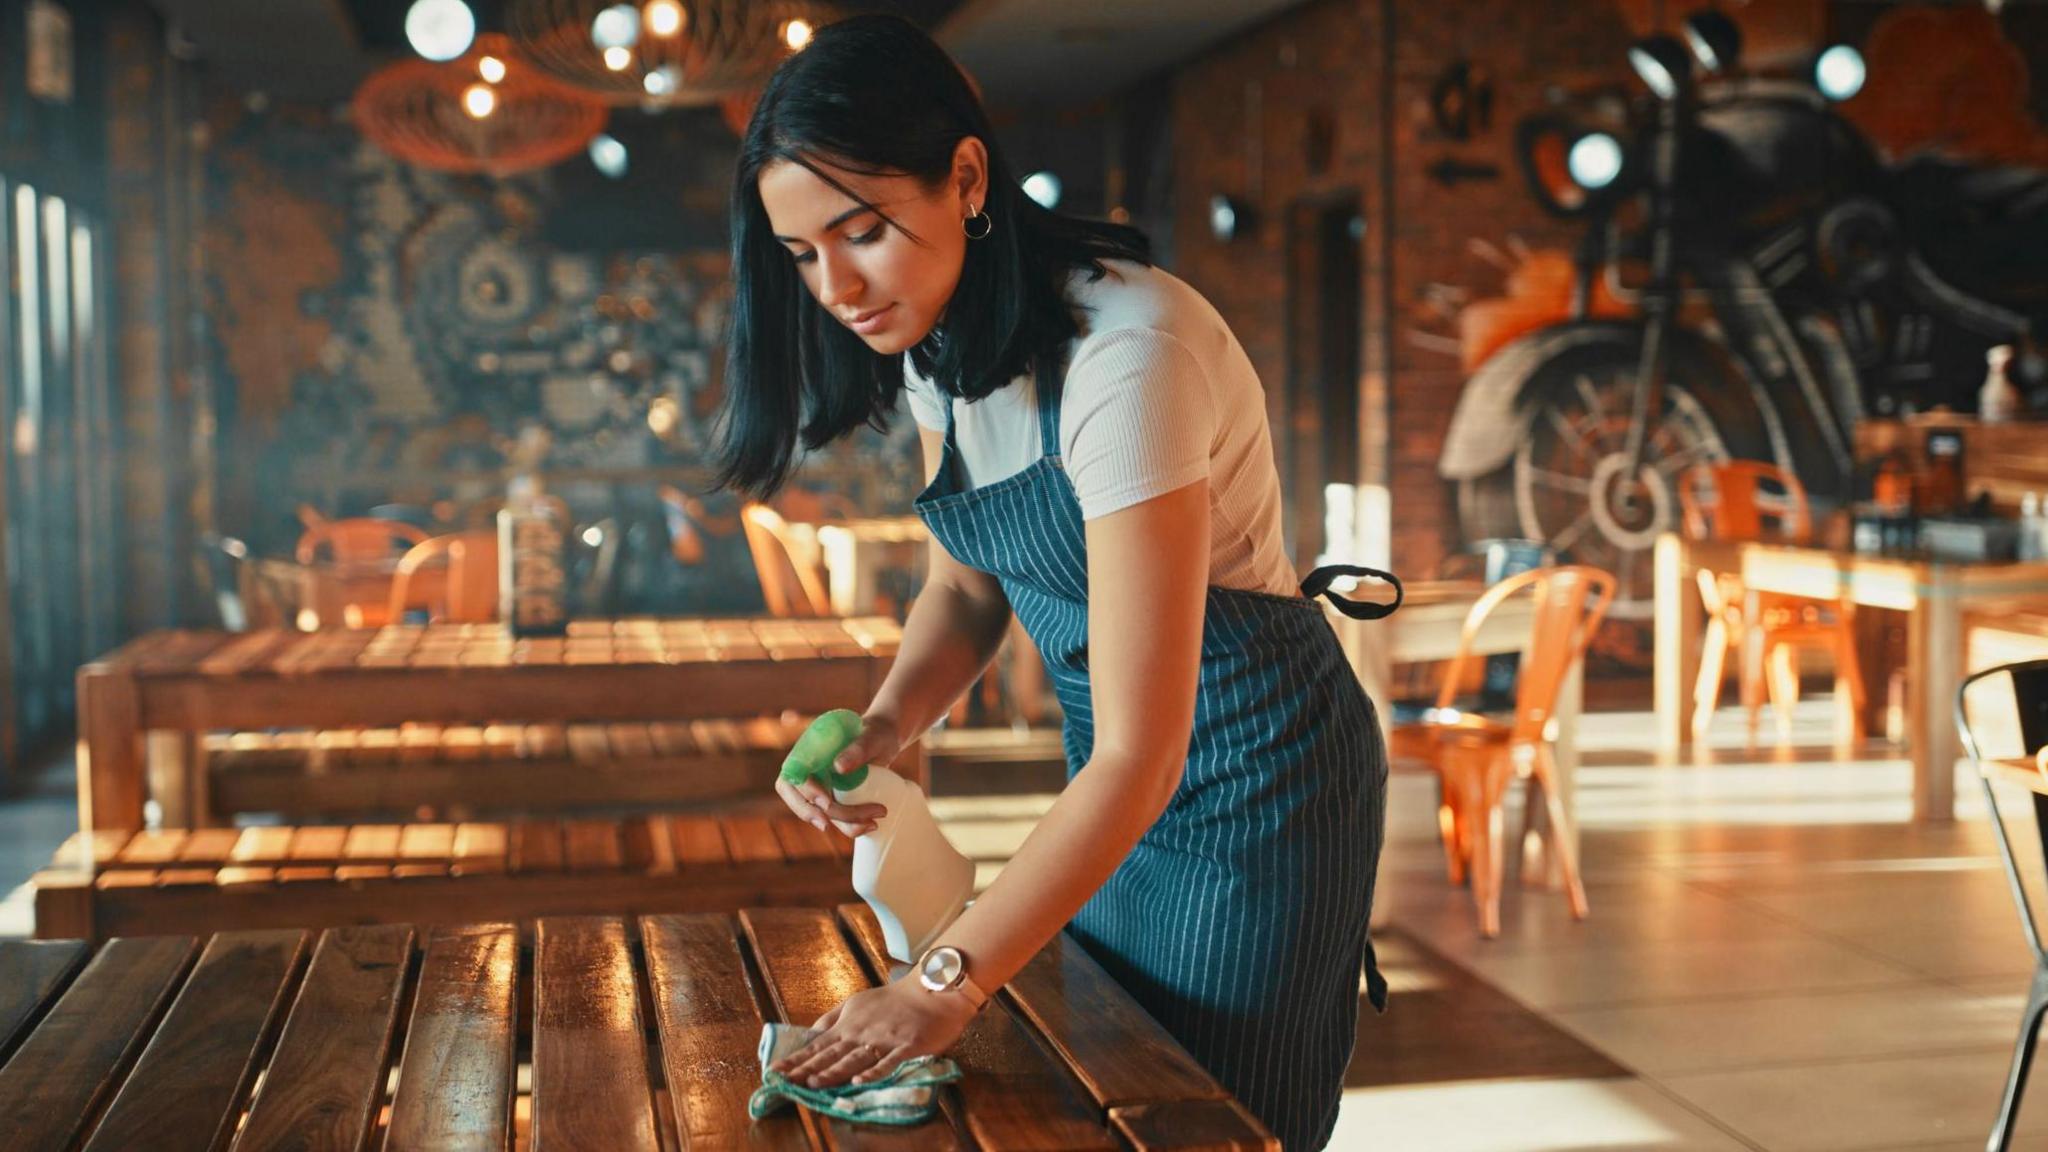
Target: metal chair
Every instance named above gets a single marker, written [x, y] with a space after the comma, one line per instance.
[1480, 755]
[2029, 698]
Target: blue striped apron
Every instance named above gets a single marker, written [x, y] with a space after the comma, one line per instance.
[1239, 920]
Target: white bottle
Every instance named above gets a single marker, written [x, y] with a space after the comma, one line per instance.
[906, 869]
[1998, 401]
[2030, 527]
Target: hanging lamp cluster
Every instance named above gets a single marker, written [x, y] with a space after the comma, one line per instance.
[663, 53]
[488, 111]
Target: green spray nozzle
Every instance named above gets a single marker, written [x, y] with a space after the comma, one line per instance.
[822, 743]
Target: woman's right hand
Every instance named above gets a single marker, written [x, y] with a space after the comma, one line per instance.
[878, 744]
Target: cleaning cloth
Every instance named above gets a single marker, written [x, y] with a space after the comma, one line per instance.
[908, 1095]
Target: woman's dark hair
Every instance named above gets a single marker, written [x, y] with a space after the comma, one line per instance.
[874, 95]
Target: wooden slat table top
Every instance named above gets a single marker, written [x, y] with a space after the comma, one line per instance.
[589, 643]
[641, 1034]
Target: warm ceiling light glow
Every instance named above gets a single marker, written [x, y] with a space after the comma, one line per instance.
[491, 69]
[664, 17]
[796, 34]
[618, 59]
[479, 101]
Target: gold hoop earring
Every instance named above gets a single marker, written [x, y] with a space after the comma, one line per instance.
[988, 225]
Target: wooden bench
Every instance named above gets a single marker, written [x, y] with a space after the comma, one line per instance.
[147, 709]
[109, 884]
[631, 1036]
[504, 769]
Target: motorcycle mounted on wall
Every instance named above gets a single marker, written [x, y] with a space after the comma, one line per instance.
[1779, 281]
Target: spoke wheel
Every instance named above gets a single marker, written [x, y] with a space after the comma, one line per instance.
[1574, 489]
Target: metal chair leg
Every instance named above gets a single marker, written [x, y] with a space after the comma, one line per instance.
[2022, 1062]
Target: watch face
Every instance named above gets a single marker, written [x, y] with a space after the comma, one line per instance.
[942, 969]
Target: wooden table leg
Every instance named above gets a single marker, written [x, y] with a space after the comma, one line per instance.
[1934, 668]
[1676, 663]
[110, 776]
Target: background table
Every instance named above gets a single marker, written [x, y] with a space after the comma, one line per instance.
[163, 690]
[1933, 594]
[156, 1042]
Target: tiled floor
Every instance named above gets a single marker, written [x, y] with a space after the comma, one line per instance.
[1782, 961]
[1779, 959]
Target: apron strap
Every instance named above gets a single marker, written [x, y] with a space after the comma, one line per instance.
[1319, 581]
[1046, 386]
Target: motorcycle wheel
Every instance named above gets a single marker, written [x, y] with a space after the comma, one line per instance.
[1567, 484]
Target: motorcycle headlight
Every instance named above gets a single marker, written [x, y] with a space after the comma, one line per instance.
[1715, 40]
[1664, 65]
[1594, 161]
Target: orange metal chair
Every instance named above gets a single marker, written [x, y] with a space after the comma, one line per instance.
[356, 538]
[1736, 501]
[468, 595]
[1480, 754]
[790, 584]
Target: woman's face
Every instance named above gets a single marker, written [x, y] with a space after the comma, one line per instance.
[889, 283]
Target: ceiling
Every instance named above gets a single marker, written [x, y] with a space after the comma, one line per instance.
[1073, 51]
[1021, 51]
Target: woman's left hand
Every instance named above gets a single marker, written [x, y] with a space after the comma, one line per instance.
[873, 1031]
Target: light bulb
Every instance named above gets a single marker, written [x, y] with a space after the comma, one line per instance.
[664, 17]
[616, 27]
[1594, 161]
[479, 101]
[608, 155]
[1839, 73]
[661, 81]
[796, 34]
[491, 69]
[440, 29]
[618, 59]
[1043, 187]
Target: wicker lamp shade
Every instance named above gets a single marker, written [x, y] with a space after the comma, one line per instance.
[660, 53]
[426, 113]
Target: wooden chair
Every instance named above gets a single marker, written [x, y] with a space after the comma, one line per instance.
[1736, 501]
[790, 585]
[468, 595]
[357, 538]
[1478, 753]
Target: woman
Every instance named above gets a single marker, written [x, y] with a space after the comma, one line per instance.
[1099, 463]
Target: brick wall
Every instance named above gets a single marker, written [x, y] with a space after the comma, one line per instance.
[1329, 57]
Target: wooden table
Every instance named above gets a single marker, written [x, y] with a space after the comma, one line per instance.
[855, 552]
[1427, 627]
[162, 691]
[1933, 594]
[155, 1042]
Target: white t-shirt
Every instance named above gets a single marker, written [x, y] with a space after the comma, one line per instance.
[1158, 394]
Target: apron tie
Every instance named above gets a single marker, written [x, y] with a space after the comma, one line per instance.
[1319, 581]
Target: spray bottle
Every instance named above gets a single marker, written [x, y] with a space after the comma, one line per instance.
[906, 869]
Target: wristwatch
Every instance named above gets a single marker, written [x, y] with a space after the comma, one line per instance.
[944, 969]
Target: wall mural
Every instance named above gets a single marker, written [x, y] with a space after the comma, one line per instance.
[1790, 262]
[385, 333]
